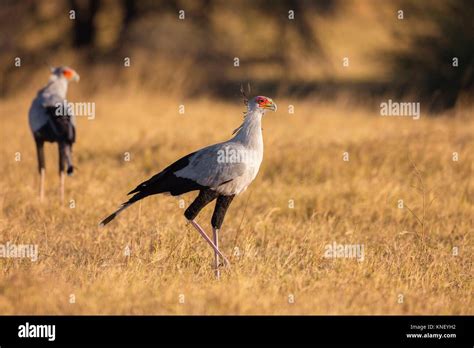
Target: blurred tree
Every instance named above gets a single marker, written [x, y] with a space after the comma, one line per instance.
[302, 24]
[84, 30]
[130, 14]
[130, 11]
[428, 68]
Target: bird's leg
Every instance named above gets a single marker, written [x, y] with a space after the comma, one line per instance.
[207, 239]
[215, 233]
[68, 159]
[204, 198]
[41, 168]
[61, 185]
[62, 160]
[42, 174]
[222, 204]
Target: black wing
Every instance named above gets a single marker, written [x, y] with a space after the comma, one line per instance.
[167, 181]
[61, 125]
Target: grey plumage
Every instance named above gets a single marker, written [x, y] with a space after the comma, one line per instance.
[52, 94]
[220, 172]
[227, 168]
[51, 121]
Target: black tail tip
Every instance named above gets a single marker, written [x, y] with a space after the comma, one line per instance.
[107, 220]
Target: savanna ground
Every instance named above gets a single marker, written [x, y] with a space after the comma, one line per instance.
[417, 262]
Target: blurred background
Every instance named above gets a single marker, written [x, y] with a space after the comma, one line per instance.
[404, 55]
[307, 194]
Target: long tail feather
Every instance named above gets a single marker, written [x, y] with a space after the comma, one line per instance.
[124, 206]
[114, 214]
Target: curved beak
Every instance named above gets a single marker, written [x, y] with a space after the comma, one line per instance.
[271, 105]
[76, 77]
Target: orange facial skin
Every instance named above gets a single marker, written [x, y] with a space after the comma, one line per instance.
[69, 74]
[262, 101]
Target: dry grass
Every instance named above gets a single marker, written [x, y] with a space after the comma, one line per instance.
[280, 250]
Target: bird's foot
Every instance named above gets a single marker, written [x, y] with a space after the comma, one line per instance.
[70, 171]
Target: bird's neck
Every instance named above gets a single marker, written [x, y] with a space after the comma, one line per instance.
[57, 85]
[250, 132]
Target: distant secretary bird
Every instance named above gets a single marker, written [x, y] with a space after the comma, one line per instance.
[219, 171]
[49, 122]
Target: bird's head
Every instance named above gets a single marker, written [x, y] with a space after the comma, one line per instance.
[262, 103]
[65, 72]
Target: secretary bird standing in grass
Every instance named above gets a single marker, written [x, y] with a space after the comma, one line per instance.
[219, 171]
[50, 121]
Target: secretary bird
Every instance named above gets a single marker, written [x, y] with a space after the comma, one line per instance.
[51, 121]
[220, 171]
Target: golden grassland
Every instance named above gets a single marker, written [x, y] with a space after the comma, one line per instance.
[277, 252]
